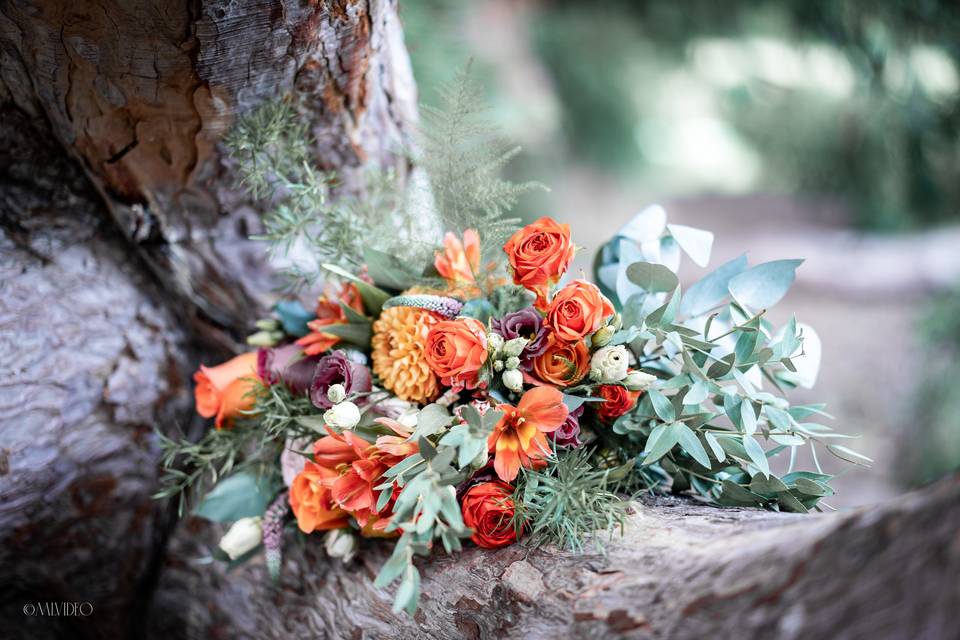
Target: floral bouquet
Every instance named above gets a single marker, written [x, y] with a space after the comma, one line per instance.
[486, 397]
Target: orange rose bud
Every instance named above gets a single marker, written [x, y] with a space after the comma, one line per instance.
[562, 363]
[312, 500]
[227, 390]
[618, 401]
[578, 310]
[539, 254]
[456, 351]
[488, 510]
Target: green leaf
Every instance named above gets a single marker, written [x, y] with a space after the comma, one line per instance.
[770, 484]
[747, 417]
[662, 406]
[691, 444]
[697, 393]
[388, 271]
[431, 420]
[666, 440]
[373, 297]
[665, 314]
[756, 454]
[789, 502]
[653, 278]
[696, 243]
[356, 334]
[812, 487]
[764, 285]
[721, 367]
[849, 455]
[715, 447]
[242, 495]
[712, 289]
[737, 494]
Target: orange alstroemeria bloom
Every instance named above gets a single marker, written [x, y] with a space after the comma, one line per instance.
[311, 499]
[358, 467]
[227, 390]
[518, 438]
[460, 261]
[330, 312]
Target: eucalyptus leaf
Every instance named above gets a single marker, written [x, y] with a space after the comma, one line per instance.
[653, 278]
[242, 495]
[764, 285]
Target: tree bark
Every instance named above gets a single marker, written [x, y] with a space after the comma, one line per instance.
[124, 261]
[142, 92]
[681, 570]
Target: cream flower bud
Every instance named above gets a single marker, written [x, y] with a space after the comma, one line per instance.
[611, 362]
[498, 365]
[345, 415]
[243, 536]
[512, 362]
[494, 342]
[638, 380]
[602, 336]
[336, 393]
[513, 379]
[514, 347]
[340, 543]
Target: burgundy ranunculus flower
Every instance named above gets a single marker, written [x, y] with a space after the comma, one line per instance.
[287, 364]
[526, 323]
[337, 368]
[568, 435]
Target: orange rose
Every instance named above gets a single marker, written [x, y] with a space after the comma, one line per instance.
[456, 351]
[539, 254]
[562, 363]
[488, 510]
[312, 501]
[578, 310]
[459, 262]
[227, 390]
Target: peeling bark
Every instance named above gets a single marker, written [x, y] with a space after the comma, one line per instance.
[142, 93]
[682, 570]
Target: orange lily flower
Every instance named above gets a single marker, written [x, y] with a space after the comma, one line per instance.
[518, 438]
[330, 312]
[460, 261]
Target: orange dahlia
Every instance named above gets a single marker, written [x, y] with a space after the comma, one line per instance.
[399, 337]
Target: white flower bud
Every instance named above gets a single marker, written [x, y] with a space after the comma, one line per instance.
[244, 535]
[498, 365]
[513, 379]
[494, 342]
[340, 543]
[596, 375]
[612, 362]
[512, 362]
[514, 347]
[345, 415]
[336, 393]
[638, 380]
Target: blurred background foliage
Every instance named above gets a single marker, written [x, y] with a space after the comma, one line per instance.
[851, 103]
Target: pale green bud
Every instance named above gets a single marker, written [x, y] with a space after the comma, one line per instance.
[602, 336]
[514, 347]
[513, 380]
[336, 393]
[512, 362]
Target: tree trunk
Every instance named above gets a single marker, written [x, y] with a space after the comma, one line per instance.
[124, 261]
[681, 570]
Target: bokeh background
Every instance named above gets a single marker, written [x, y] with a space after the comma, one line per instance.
[827, 130]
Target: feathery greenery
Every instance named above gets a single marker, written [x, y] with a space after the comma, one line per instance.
[569, 500]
